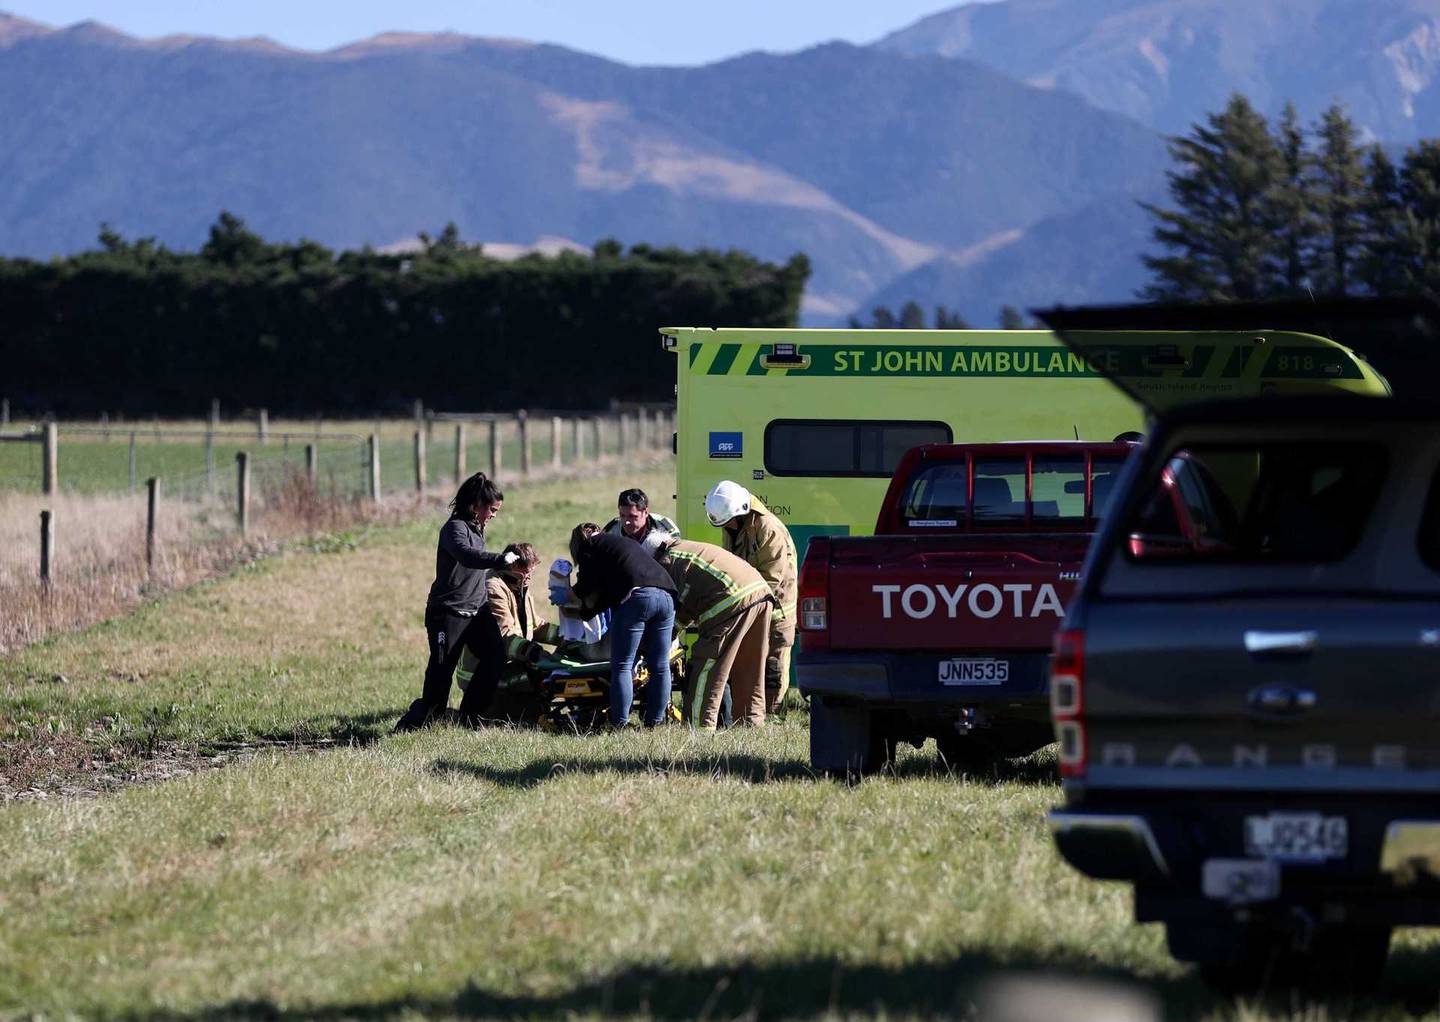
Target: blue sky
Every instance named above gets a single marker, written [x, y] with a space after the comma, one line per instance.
[635, 31]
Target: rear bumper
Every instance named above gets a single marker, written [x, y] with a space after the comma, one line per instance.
[911, 680]
[1108, 846]
[1390, 875]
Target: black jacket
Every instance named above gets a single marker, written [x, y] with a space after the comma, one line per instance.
[461, 565]
[610, 566]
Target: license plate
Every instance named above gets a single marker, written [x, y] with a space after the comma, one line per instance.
[1240, 881]
[1297, 837]
[974, 671]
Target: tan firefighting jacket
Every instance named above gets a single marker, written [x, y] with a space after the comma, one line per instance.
[514, 613]
[711, 583]
[763, 540]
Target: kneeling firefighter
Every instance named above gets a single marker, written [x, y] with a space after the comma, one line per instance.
[752, 532]
[730, 602]
[508, 602]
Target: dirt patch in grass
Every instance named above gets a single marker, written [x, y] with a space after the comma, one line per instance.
[42, 758]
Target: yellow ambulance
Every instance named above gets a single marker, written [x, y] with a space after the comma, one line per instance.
[813, 422]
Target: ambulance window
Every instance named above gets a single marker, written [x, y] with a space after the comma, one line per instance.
[844, 447]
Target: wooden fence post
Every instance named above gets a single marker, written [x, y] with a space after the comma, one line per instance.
[420, 460]
[576, 451]
[152, 500]
[105, 426]
[47, 544]
[214, 414]
[459, 453]
[50, 482]
[242, 490]
[262, 425]
[375, 467]
[554, 441]
[620, 432]
[523, 425]
[312, 465]
[597, 439]
[132, 461]
[496, 458]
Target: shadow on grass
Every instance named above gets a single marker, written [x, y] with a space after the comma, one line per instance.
[742, 766]
[811, 988]
[1038, 769]
[334, 729]
[983, 985]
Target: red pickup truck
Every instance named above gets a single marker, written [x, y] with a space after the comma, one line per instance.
[939, 625]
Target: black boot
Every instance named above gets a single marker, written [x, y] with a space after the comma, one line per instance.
[421, 714]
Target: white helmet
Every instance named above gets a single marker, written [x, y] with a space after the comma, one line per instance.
[725, 501]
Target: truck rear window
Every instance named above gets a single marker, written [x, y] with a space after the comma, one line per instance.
[939, 494]
[1263, 502]
[845, 447]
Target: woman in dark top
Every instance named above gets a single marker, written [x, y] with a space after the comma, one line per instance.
[619, 574]
[455, 615]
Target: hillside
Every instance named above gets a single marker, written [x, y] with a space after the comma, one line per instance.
[1166, 63]
[874, 163]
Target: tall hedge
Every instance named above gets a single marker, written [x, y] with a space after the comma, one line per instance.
[133, 326]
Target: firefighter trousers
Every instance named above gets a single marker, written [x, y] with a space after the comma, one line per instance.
[730, 651]
[777, 661]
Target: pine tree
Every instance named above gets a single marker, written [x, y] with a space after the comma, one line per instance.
[1420, 190]
[947, 320]
[912, 317]
[1294, 202]
[1223, 235]
[1010, 318]
[1388, 261]
[881, 318]
[1339, 184]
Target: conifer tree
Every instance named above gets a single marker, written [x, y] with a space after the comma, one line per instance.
[1222, 237]
[912, 317]
[1339, 185]
[1387, 264]
[1010, 318]
[1294, 203]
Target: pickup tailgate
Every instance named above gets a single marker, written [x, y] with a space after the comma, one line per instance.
[950, 593]
[1252, 693]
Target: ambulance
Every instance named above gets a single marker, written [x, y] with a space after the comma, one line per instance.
[814, 422]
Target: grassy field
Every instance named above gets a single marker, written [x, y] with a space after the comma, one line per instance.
[505, 873]
[91, 463]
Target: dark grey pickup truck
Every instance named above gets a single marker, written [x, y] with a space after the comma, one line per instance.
[1246, 687]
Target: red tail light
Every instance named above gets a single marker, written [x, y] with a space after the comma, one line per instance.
[815, 596]
[1067, 700]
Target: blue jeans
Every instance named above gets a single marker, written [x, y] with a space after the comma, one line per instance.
[645, 622]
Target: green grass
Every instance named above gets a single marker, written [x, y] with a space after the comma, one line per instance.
[511, 873]
[90, 464]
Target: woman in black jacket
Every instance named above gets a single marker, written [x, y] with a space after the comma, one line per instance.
[618, 574]
[455, 615]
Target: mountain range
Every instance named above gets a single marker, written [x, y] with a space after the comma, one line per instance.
[990, 154]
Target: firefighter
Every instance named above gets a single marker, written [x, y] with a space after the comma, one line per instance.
[453, 618]
[637, 521]
[752, 532]
[730, 602]
[523, 632]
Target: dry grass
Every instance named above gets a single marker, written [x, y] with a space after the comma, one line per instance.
[99, 569]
